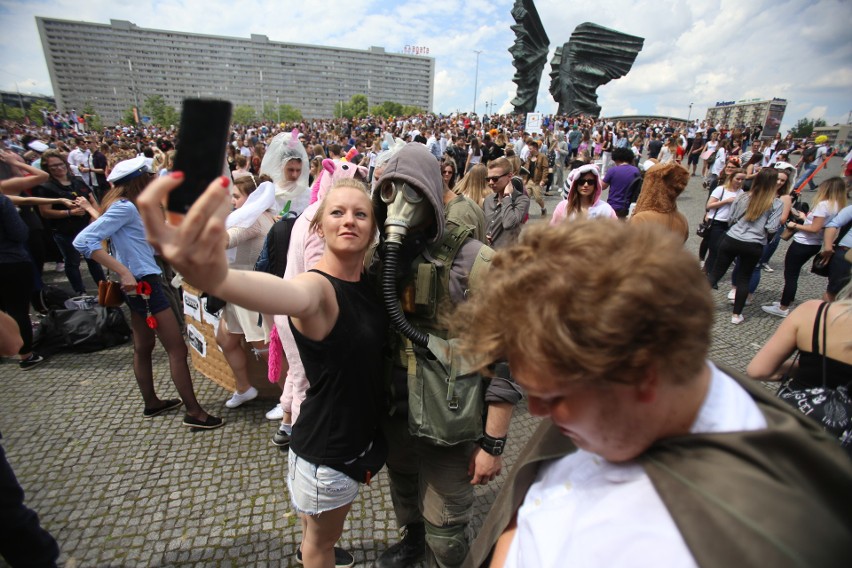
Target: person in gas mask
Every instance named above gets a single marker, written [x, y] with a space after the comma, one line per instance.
[442, 441]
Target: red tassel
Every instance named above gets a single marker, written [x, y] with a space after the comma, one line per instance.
[151, 321]
[143, 288]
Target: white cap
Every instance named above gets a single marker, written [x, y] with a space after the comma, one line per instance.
[128, 169]
[38, 146]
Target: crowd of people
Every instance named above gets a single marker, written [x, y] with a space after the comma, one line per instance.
[411, 266]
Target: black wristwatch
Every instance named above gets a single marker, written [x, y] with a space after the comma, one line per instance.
[493, 446]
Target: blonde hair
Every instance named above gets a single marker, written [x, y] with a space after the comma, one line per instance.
[832, 190]
[473, 184]
[316, 222]
[763, 193]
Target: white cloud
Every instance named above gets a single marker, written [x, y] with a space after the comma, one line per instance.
[695, 52]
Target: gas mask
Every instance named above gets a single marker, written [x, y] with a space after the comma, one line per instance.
[406, 209]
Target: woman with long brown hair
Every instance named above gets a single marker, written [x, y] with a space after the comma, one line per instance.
[151, 316]
[473, 184]
[753, 216]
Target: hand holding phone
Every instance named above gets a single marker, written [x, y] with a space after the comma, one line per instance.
[200, 152]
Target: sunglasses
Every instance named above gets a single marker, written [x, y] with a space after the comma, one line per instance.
[495, 178]
[448, 172]
[586, 181]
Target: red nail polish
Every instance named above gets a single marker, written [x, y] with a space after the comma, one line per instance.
[176, 175]
[225, 181]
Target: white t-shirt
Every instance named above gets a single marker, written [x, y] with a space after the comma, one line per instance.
[585, 511]
[722, 213]
[827, 209]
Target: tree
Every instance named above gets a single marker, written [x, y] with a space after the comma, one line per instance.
[355, 108]
[128, 116]
[11, 113]
[161, 114]
[243, 114]
[35, 111]
[805, 127]
[93, 121]
[280, 113]
[389, 108]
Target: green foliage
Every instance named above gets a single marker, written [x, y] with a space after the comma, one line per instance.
[93, 121]
[11, 113]
[243, 114]
[128, 117]
[355, 108]
[389, 108]
[281, 113]
[161, 114]
[805, 127]
[35, 111]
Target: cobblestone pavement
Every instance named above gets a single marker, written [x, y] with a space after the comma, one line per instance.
[119, 490]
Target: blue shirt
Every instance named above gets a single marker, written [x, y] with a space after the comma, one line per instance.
[839, 220]
[122, 224]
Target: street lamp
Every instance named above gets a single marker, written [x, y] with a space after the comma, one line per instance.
[690, 113]
[476, 80]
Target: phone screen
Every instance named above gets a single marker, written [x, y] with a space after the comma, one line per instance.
[200, 151]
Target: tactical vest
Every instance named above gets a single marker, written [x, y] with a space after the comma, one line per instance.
[446, 402]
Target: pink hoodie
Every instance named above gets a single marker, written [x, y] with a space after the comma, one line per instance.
[598, 208]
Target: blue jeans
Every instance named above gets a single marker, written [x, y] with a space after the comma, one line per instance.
[71, 258]
[806, 173]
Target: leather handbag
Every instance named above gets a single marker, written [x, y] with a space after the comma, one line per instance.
[830, 406]
[703, 229]
[820, 265]
[109, 294]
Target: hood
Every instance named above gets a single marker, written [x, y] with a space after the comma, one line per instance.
[576, 173]
[416, 166]
[283, 148]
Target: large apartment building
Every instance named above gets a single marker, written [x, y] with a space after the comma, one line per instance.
[116, 66]
[767, 114]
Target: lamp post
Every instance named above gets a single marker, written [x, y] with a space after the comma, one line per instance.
[690, 113]
[476, 79]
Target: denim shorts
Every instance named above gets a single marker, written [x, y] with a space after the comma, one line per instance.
[156, 303]
[315, 489]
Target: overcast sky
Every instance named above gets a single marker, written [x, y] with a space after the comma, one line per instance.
[695, 52]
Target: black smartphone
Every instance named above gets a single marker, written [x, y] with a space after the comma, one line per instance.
[200, 152]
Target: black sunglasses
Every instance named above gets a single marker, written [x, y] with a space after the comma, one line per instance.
[495, 178]
[586, 181]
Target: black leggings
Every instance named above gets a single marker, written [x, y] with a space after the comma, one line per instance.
[16, 288]
[797, 255]
[748, 255]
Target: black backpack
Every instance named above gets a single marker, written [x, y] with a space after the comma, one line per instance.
[273, 256]
[635, 188]
[809, 155]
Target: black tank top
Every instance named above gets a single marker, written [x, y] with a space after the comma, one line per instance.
[345, 401]
[809, 374]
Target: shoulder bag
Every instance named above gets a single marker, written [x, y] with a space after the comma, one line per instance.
[703, 229]
[831, 407]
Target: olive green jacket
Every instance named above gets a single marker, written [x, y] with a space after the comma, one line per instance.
[779, 496]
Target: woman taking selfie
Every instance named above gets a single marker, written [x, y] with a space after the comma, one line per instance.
[339, 324]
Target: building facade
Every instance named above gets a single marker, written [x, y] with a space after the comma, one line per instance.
[117, 66]
[753, 112]
[839, 135]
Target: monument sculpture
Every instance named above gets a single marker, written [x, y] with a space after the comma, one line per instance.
[593, 56]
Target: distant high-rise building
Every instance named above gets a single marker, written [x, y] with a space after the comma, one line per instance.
[766, 113]
[114, 67]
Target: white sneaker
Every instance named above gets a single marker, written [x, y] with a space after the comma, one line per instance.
[276, 413]
[737, 319]
[767, 268]
[237, 399]
[775, 310]
[732, 294]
